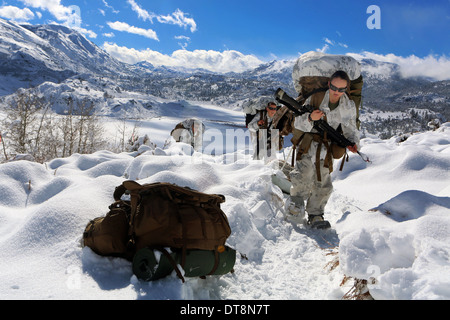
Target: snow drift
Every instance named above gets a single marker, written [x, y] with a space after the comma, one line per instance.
[391, 223]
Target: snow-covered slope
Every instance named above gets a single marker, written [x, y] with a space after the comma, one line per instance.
[26, 59]
[33, 54]
[390, 221]
[73, 51]
[397, 222]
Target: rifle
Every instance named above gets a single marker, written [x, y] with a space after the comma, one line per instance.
[321, 126]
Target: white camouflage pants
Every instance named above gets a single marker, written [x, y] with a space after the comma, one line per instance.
[306, 187]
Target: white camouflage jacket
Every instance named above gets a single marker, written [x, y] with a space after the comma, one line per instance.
[253, 125]
[344, 114]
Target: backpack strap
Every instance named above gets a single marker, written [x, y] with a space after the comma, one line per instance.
[317, 98]
[303, 142]
[263, 116]
[317, 92]
[125, 188]
[172, 262]
[132, 188]
[216, 262]
[119, 192]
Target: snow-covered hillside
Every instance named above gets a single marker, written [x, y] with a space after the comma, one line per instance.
[33, 54]
[390, 221]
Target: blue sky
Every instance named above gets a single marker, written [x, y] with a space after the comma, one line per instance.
[251, 31]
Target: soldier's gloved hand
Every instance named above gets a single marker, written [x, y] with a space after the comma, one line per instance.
[316, 115]
[353, 148]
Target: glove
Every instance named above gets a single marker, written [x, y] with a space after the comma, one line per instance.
[353, 148]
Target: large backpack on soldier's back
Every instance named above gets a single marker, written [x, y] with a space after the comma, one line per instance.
[253, 106]
[310, 75]
[313, 70]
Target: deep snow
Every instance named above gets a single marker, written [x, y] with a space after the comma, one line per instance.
[390, 221]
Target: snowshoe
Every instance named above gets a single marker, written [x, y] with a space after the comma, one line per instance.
[317, 222]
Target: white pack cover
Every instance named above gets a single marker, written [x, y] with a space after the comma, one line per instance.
[253, 105]
[323, 65]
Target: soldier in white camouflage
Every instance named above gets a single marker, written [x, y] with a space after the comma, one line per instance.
[311, 181]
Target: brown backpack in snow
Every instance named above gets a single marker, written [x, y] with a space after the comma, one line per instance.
[159, 215]
[108, 235]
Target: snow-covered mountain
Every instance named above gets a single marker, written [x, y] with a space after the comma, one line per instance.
[71, 50]
[62, 63]
[26, 59]
[33, 54]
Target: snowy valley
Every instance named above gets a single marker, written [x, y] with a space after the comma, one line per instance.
[390, 218]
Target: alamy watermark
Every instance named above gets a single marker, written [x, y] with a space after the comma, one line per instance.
[73, 18]
[374, 20]
[73, 281]
[231, 144]
[373, 272]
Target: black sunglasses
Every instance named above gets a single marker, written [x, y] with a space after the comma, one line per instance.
[270, 108]
[337, 89]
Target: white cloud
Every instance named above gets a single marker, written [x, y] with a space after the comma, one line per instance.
[182, 38]
[110, 7]
[142, 13]
[123, 26]
[68, 16]
[86, 32]
[330, 43]
[435, 67]
[324, 49]
[60, 12]
[16, 14]
[178, 17]
[184, 41]
[226, 61]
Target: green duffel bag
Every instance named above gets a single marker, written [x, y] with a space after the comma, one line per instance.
[153, 264]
